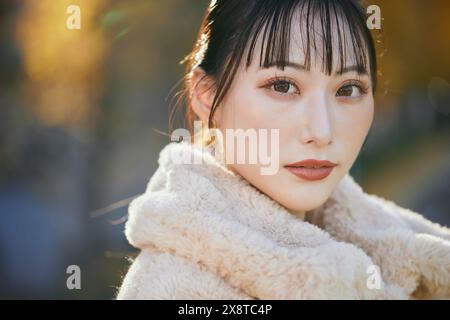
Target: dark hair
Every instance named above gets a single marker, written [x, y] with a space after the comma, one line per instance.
[231, 26]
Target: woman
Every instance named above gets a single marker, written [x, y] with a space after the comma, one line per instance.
[210, 228]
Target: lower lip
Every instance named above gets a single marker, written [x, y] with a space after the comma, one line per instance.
[310, 174]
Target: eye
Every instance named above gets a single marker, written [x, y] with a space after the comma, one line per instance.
[351, 90]
[283, 86]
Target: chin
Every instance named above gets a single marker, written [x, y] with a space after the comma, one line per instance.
[307, 205]
[295, 202]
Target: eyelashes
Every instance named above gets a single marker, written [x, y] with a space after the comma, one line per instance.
[348, 89]
[286, 87]
[284, 84]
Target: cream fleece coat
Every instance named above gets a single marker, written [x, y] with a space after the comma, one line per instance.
[206, 233]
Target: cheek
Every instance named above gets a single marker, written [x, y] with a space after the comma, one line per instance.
[247, 107]
[352, 126]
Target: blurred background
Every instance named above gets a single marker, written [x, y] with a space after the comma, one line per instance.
[82, 110]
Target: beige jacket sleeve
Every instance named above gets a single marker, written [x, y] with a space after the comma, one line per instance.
[163, 276]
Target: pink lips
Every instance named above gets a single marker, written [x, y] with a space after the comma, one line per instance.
[311, 169]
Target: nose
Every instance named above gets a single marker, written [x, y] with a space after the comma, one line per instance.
[315, 121]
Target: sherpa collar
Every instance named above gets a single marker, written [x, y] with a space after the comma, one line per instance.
[213, 217]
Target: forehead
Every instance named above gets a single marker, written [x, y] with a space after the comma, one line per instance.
[321, 39]
[311, 34]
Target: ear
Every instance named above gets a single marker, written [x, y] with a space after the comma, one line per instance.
[202, 94]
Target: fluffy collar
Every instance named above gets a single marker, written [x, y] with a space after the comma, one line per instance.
[215, 218]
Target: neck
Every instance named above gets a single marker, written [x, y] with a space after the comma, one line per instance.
[300, 214]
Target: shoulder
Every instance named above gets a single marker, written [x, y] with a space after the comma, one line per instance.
[156, 275]
[414, 220]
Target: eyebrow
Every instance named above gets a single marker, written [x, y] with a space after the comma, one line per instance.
[359, 69]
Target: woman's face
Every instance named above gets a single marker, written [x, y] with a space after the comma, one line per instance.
[319, 116]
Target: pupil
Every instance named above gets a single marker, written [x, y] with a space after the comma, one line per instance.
[282, 86]
[346, 91]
